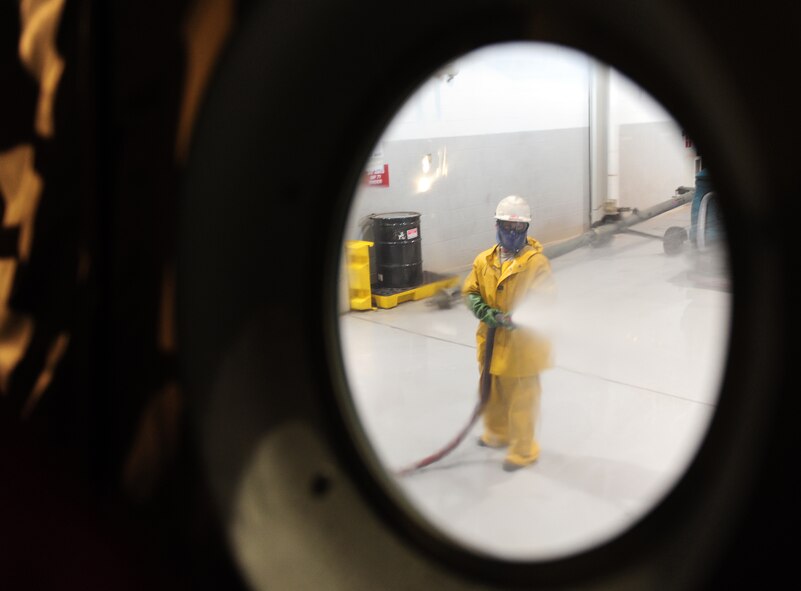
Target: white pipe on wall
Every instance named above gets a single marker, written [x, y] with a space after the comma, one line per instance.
[613, 145]
[599, 138]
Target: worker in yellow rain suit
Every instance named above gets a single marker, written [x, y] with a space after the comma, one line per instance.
[501, 276]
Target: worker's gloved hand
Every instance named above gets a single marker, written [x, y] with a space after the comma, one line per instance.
[490, 316]
[497, 319]
[504, 320]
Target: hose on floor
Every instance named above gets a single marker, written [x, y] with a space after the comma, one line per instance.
[483, 396]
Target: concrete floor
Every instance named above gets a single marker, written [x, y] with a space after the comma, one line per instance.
[639, 341]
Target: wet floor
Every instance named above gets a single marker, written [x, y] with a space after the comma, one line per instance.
[639, 340]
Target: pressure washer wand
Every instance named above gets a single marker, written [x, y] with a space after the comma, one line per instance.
[483, 396]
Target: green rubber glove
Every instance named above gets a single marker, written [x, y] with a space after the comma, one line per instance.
[490, 316]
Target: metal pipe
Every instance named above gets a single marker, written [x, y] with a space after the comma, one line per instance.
[598, 234]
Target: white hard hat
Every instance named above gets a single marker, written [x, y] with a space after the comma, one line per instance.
[513, 209]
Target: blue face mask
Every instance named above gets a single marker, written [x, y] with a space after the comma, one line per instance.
[512, 240]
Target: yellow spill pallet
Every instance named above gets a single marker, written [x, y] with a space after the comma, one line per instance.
[362, 297]
[412, 295]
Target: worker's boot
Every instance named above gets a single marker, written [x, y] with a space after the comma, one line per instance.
[491, 442]
[515, 460]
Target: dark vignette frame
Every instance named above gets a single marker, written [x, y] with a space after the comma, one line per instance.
[320, 80]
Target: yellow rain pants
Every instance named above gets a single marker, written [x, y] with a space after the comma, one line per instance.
[511, 416]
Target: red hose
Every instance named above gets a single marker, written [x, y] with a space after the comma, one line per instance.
[483, 397]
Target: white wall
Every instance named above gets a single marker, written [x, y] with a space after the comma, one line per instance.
[504, 88]
[547, 167]
[651, 156]
[509, 120]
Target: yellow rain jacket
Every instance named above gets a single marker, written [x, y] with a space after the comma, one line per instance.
[519, 352]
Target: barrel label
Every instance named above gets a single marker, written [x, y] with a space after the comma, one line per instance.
[411, 233]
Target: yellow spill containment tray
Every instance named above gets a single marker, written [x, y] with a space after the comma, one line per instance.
[432, 283]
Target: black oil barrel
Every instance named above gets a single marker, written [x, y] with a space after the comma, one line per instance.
[398, 251]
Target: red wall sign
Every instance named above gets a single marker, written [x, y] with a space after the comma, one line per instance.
[377, 177]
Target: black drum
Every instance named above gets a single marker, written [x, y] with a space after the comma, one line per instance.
[398, 251]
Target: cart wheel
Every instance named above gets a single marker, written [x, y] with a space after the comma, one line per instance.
[674, 239]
